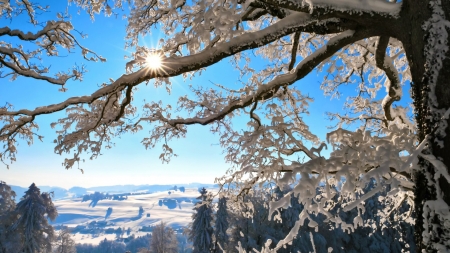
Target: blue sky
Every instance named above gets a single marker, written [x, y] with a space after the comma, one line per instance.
[200, 157]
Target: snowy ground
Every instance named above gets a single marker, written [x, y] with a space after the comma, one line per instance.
[175, 209]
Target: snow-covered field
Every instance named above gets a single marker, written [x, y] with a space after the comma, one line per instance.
[175, 209]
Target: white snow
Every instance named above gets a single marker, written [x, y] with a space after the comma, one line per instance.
[73, 212]
[362, 5]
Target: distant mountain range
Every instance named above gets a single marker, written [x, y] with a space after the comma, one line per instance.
[61, 193]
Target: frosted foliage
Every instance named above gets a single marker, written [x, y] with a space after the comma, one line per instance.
[257, 234]
[64, 242]
[163, 239]
[22, 53]
[201, 228]
[221, 29]
[8, 240]
[273, 45]
[33, 212]
[24, 59]
[7, 197]
[221, 225]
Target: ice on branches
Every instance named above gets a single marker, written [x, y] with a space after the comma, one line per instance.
[359, 43]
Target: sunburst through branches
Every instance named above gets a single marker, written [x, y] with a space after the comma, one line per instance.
[153, 61]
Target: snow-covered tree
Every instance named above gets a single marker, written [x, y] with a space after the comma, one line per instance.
[402, 46]
[64, 242]
[221, 225]
[201, 230]
[250, 224]
[251, 229]
[33, 212]
[164, 239]
[7, 198]
[8, 241]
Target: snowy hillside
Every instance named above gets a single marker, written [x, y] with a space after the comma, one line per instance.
[91, 226]
[61, 193]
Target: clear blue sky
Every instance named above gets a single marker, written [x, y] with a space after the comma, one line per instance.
[200, 158]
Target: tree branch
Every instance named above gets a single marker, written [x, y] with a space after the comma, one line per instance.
[253, 14]
[366, 14]
[294, 50]
[174, 65]
[384, 62]
[254, 116]
[267, 91]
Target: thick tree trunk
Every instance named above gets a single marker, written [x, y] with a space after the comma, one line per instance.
[430, 68]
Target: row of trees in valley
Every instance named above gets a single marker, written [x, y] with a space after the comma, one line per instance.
[162, 239]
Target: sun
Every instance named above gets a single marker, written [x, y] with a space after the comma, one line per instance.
[153, 61]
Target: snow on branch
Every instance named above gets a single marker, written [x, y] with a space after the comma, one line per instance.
[265, 92]
[172, 66]
[47, 40]
[392, 82]
[345, 9]
[357, 161]
[277, 147]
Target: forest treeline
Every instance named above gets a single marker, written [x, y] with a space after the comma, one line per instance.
[249, 228]
[217, 226]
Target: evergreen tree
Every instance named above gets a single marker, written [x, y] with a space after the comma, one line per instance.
[201, 230]
[8, 241]
[375, 235]
[7, 197]
[221, 225]
[250, 227]
[33, 211]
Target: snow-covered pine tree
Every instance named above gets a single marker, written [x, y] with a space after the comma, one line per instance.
[288, 216]
[7, 197]
[249, 224]
[221, 225]
[373, 235]
[33, 211]
[201, 229]
[8, 241]
[238, 230]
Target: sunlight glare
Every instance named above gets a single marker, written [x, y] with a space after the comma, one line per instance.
[154, 61]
